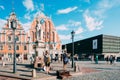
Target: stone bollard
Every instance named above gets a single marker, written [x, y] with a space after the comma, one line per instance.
[3, 64]
[33, 73]
[75, 67]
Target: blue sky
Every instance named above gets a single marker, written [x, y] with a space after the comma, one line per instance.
[86, 17]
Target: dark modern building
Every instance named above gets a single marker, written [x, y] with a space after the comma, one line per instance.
[101, 45]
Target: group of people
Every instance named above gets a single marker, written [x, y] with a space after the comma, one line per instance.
[43, 63]
[110, 59]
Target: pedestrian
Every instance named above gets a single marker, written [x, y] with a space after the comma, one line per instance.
[58, 58]
[65, 60]
[31, 60]
[107, 59]
[96, 59]
[47, 60]
[111, 59]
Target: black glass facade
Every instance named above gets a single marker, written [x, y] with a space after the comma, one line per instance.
[100, 45]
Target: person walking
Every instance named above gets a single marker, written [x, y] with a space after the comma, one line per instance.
[65, 60]
[96, 59]
[47, 60]
[107, 59]
[111, 59]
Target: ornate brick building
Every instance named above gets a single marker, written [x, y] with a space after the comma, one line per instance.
[44, 35]
[41, 36]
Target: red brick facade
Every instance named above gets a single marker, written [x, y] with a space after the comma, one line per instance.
[41, 31]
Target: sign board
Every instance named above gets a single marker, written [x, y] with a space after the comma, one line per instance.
[95, 44]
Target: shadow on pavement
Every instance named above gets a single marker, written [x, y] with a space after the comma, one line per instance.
[23, 70]
[6, 71]
[106, 68]
[25, 75]
[26, 65]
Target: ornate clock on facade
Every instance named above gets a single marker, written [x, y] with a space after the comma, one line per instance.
[42, 21]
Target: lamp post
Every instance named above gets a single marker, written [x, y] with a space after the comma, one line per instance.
[72, 35]
[13, 26]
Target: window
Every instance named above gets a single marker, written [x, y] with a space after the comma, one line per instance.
[40, 34]
[17, 38]
[53, 36]
[9, 38]
[1, 47]
[10, 55]
[9, 47]
[48, 35]
[32, 36]
[25, 48]
[43, 35]
[17, 48]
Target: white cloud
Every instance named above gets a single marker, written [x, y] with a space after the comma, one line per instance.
[27, 16]
[2, 7]
[94, 18]
[74, 23]
[79, 30]
[62, 27]
[38, 13]
[65, 37]
[71, 25]
[77, 26]
[26, 26]
[108, 3]
[30, 15]
[92, 23]
[80, 10]
[28, 4]
[105, 5]
[2, 23]
[67, 10]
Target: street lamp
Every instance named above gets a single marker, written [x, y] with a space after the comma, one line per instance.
[72, 35]
[13, 26]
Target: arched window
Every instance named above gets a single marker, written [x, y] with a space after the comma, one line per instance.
[17, 47]
[48, 35]
[17, 38]
[43, 35]
[49, 28]
[1, 47]
[40, 34]
[53, 34]
[49, 25]
[9, 47]
[32, 36]
[25, 47]
[9, 38]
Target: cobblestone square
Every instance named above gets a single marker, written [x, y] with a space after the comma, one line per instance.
[88, 71]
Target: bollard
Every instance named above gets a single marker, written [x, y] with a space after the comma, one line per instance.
[33, 73]
[75, 67]
[3, 64]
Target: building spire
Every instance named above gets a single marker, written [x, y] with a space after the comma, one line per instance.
[13, 6]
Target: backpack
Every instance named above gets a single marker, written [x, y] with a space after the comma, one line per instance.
[65, 58]
[48, 59]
